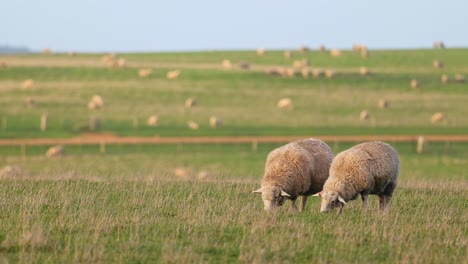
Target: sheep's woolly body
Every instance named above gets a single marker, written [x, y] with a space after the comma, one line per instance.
[367, 168]
[299, 168]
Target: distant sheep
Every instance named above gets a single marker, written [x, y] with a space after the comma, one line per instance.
[364, 115]
[284, 103]
[437, 118]
[305, 72]
[364, 71]
[144, 73]
[415, 84]
[300, 63]
[299, 168]
[290, 72]
[260, 52]
[55, 151]
[304, 49]
[96, 102]
[27, 84]
[335, 53]
[322, 48]
[11, 171]
[190, 102]
[383, 104]
[317, 72]
[444, 78]
[121, 63]
[437, 64]
[193, 125]
[215, 122]
[181, 172]
[172, 75]
[438, 45]
[277, 71]
[226, 64]
[152, 120]
[244, 65]
[367, 168]
[287, 54]
[330, 73]
[459, 78]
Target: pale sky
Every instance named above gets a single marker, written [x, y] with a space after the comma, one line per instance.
[176, 25]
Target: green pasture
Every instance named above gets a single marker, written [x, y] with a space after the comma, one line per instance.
[244, 100]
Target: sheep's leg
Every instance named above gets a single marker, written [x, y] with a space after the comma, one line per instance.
[364, 197]
[386, 196]
[340, 209]
[293, 208]
[303, 202]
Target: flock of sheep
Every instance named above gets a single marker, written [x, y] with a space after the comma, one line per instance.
[308, 167]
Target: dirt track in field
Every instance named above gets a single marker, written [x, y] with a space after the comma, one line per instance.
[95, 139]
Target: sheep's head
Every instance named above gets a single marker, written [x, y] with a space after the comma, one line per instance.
[330, 200]
[272, 196]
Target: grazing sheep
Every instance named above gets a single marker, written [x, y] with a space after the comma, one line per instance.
[244, 65]
[305, 72]
[330, 73]
[287, 54]
[444, 78]
[300, 63]
[172, 75]
[11, 171]
[290, 72]
[459, 78]
[383, 104]
[193, 125]
[438, 45]
[437, 64]
[55, 151]
[364, 115]
[367, 168]
[299, 168]
[152, 120]
[144, 73]
[215, 122]
[285, 103]
[415, 84]
[181, 172]
[190, 102]
[317, 72]
[437, 117]
[227, 64]
[96, 102]
[121, 63]
[27, 84]
[203, 175]
[322, 48]
[304, 49]
[364, 71]
[260, 52]
[335, 53]
[277, 71]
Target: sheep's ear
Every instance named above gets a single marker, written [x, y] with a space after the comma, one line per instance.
[341, 199]
[318, 194]
[283, 193]
[258, 191]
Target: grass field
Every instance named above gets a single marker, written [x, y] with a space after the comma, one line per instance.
[127, 205]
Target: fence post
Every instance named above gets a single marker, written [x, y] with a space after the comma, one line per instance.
[44, 118]
[420, 147]
[254, 146]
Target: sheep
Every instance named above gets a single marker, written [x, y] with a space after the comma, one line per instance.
[11, 171]
[215, 122]
[335, 53]
[190, 102]
[260, 52]
[193, 125]
[152, 120]
[284, 103]
[121, 63]
[322, 48]
[444, 78]
[305, 72]
[383, 104]
[226, 64]
[244, 65]
[459, 78]
[317, 72]
[364, 115]
[287, 54]
[330, 73]
[304, 49]
[144, 73]
[364, 71]
[3, 65]
[437, 117]
[367, 168]
[301, 63]
[415, 84]
[27, 84]
[181, 172]
[290, 72]
[437, 64]
[438, 45]
[299, 168]
[277, 71]
[55, 151]
[172, 75]
[96, 102]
